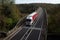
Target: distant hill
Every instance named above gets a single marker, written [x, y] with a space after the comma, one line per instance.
[32, 7]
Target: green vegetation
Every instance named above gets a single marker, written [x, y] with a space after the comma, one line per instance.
[9, 15]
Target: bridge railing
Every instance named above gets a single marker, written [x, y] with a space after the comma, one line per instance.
[19, 23]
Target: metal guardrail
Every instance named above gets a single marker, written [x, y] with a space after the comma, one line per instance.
[21, 21]
[17, 25]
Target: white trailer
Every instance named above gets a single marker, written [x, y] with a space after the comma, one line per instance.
[30, 18]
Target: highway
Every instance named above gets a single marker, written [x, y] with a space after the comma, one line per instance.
[34, 32]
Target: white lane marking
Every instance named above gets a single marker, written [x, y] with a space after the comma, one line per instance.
[28, 35]
[33, 28]
[40, 31]
[25, 34]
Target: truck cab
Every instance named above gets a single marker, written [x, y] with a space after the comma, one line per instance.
[29, 21]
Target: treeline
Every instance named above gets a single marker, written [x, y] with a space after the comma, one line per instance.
[26, 8]
[53, 11]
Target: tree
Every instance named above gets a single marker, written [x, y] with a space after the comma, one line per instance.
[8, 15]
[3, 2]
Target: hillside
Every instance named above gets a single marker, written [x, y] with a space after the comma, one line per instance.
[53, 11]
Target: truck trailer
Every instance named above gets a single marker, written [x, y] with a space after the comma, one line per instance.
[31, 18]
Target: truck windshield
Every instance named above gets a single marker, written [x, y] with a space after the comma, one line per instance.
[28, 20]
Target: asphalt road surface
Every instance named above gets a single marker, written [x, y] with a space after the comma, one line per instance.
[19, 34]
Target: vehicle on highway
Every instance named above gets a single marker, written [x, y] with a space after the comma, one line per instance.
[31, 18]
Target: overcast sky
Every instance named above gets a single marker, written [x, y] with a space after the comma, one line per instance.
[37, 1]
